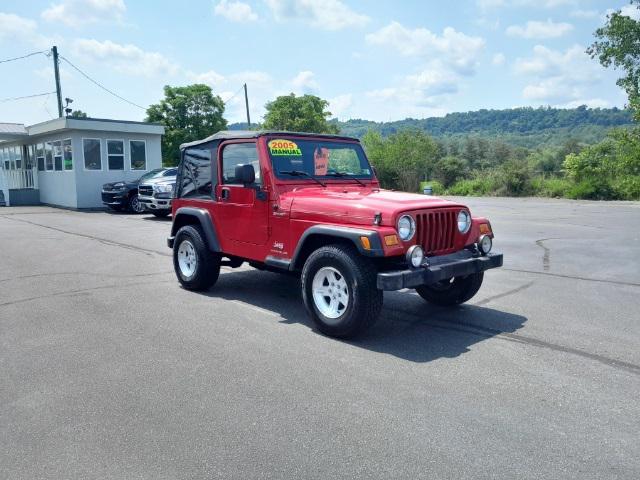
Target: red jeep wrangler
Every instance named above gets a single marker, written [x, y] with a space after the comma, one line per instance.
[311, 204]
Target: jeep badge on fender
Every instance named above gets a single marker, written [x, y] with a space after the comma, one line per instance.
[311, 204]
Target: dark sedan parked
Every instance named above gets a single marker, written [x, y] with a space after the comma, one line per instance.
[123, 195]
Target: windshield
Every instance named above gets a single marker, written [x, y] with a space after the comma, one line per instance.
[318, 158]
[152, 174]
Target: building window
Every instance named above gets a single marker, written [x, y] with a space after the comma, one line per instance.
[5, 158]
[17, 152]
[138, 154]
[67, 154]
[91, 151]
[57, 155]
[115, 154]
[31, 157]
[48, 155]
[40, 157]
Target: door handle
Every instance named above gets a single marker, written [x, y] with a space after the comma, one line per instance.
[225, 193]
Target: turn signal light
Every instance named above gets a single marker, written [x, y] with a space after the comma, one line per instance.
[485, 229]
[366, 244]
[391, 240]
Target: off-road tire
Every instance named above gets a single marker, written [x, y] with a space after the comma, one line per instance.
[458, 291]
[161, 213]
[134, 205]
[365, 300]
[207, 268]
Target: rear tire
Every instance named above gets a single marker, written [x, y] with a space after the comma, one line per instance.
[451, 292]
[339, 291]
[196, 267]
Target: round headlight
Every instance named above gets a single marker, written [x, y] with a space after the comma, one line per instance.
[406, 227]
[464, 221]
[485, 244]
[415, 256]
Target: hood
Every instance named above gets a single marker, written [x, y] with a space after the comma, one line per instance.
[349, 205]
[127, 184]
[152, 181]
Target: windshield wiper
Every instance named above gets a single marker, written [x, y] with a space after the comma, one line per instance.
[342, 174]
[300, 173]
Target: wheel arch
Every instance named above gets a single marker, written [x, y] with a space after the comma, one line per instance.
[321, 235]
[196, 216]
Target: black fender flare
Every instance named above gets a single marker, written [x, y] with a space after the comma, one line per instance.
[349, 233]
[205, 221]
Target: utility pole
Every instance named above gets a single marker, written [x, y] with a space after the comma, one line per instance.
[246, 103]
[54, 53]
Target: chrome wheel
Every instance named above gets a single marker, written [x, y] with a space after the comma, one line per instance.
[187, 259]
[136, 206]
[330, 293]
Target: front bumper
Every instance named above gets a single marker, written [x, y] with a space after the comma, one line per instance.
[458, 264]
[114, 197]
[152, 203]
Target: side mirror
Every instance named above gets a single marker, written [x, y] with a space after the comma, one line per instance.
[245, 174]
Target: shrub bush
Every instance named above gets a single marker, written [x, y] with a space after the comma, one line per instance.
[592, 190]
[550, 187]
[475, 187]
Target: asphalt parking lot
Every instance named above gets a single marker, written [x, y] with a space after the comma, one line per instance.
[108, 369]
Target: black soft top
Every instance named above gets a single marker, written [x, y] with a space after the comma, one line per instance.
[233, 134]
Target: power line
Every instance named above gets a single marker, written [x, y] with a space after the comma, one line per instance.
[25, 96]
[232, 96]
[23, 56]
[95, 82]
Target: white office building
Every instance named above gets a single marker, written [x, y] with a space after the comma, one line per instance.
[64, 162]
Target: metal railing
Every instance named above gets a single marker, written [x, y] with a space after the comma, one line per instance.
[15, 179]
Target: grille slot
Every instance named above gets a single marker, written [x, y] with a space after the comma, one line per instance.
[145, 190]
[436, 231]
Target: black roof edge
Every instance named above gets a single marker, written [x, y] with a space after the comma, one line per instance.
[233, 134]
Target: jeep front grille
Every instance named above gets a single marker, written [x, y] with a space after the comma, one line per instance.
[145, 190]
[436, 231]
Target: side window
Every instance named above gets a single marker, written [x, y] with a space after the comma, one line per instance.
[115, 154]
[48, 150]
[92, 154]
[196, 174]
[239, 154]
[57, 155]
[40, 156]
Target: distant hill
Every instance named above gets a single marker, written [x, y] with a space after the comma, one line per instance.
[525, 127]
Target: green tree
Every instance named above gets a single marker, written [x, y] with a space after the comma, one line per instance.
[402, 159]
[188, 113]
[78, 114]
[299, 114]
[449, 170]
[618, 44]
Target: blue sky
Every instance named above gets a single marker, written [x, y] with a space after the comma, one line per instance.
[374, 60]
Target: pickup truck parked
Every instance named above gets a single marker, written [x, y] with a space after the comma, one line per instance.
[123, 195]
[312, 205]
[155, 194]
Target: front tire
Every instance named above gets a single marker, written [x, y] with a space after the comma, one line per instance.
[196, 267]
[134, 205]
[453, 291]
[339, 291]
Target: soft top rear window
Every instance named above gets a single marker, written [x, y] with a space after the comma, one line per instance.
[318, 158]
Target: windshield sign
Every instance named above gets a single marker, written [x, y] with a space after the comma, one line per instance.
[318, 158]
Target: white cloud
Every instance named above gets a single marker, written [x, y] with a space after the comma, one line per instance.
[585, 14]
[75, 13]
[540, 30]
[340, 106]
[235, 11]
[305, 82]
[559, 77]
[459, 51]
[14, 29]
[324, 14]
[488, 4]
[128, 59]
[211, 78]
[498, 59]
[631, 11]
